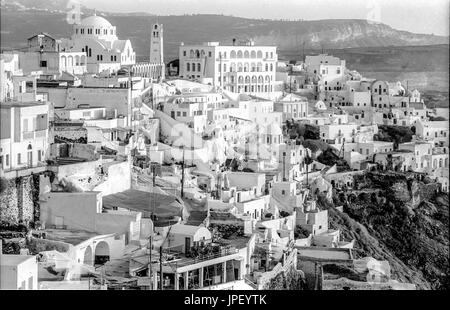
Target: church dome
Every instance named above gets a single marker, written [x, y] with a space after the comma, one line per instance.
[96, 22]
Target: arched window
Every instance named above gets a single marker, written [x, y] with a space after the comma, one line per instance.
[253, 54]
[239, 67]
[233, 54]
[199, 67]
[188, 67]
[203, 53]
[239, 54]
[191, 54]
[63, 61]
[247, 79]
[240, 80]
[77, 60]
[259, 54]
[260, 79]
[254, 79]
[253, 66]
[246, 54]
[246, 66]
[267, 79]
[197, 53]
[233, 67]
[259, 67]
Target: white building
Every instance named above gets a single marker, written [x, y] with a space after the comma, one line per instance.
[436, 131]
[24, 135]
[330, 69]
[292, 107]
[18, 272]
[46, 56]
[238, 68]
[96, 37]
[338, 133]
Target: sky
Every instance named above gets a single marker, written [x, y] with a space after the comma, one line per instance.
[418, 16]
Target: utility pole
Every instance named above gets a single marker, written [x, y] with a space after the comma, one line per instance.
[150, 263]
[284, 166]
[182, 175]
[160, 268]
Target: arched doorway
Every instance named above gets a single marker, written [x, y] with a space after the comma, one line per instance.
[101, 253]
[88, 256]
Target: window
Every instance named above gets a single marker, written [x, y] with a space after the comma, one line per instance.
[43, 63]
[178, 113]
[209, 54]
[7, 160]
[39, 155]
[19, 158]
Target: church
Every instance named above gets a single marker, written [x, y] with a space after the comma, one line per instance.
[105, 52]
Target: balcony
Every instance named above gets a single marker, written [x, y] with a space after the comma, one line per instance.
[27, 135]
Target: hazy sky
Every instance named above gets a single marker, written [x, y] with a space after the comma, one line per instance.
[419, 16]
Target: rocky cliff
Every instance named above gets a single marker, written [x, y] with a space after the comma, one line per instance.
[400, 218]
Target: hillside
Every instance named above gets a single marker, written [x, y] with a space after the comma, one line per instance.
[396, 217]
[20, 19]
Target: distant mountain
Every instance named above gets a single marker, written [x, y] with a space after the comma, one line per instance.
[22, 18]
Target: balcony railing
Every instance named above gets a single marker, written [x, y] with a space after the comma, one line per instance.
[34, 134]
[28, 135]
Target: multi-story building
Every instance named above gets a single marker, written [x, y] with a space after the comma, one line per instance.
[24, 135]
[338, 133]
[436, 131]
[292, 107]
[46, 56]
[97, 38]
[238, 68]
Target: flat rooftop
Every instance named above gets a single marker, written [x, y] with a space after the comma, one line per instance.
[9, 105]
[14, 260]
[324, 253]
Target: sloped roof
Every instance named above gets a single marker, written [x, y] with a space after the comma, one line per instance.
[119, 44]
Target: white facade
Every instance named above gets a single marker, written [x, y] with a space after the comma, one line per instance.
[105, 52]
[24, 135]
[237, 68]
[18, 272]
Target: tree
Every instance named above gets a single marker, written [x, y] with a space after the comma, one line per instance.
[3, 185]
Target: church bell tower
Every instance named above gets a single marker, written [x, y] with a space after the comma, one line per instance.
[156, 44]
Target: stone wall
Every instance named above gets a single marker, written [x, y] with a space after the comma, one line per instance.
[71, 134]
[17, 202]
